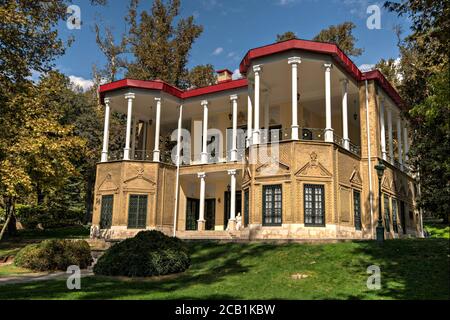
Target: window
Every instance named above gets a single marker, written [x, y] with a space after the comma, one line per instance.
[246, 207]
[137, 212]
[106, 212]
[387, 214]
[314, 202]
[394, 215]
[272, 205]
[357, 209]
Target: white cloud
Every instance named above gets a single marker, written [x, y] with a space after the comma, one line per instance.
[218, 51]
[285, 2]
[236, 75]
[366, 67]
[85, 84]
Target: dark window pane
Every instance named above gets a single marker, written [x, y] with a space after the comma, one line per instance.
[272, 205]
[387, 218]
[357, 209]
[106, 212]
[137, 212]
[314, 202]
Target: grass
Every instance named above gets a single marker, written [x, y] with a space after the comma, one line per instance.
[410, 269]
[437, 229]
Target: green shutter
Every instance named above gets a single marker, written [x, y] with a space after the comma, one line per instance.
[137, 212]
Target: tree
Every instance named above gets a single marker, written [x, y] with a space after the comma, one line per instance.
[342, 36]
[201, 76]
[160, 48]
[390, 69]
[112, 52]
[289, 35]
[425, 86]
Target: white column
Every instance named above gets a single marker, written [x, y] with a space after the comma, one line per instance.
[390, 135]
[156, 151]
[329, 136]
[201, 221]
[256, 132]
[106, 131]
[406, 137]
[234, 99]
[382, 130]
[249, 121]
[126, 152]
[399, 141]
[232, 221]
[345, 137]
[294, 62]
[204, 156]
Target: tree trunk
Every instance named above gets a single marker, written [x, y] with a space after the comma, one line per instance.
[10, 223]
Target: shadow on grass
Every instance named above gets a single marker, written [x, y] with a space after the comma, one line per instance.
[410, 269]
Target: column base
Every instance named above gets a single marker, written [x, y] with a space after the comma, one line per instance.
[156, 156]
[256, 137]
[329, 135]
[126, 154]
[204, 157]
[104, 156]
[231, 225]
[346, 144]
[295, 133]
[201, 224]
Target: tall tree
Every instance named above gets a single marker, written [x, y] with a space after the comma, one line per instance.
[342, 36]
[201, 76]
[288, 35]
[112, 52]
[390, 69]
[160, 48]
[425, 86]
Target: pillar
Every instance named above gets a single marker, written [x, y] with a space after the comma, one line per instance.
[256, 132]
[234, 99]
[390, 135]
[126, 152]
[249, 121]
[382, 130]
[399, 141]
[294, 62]
[232, 221]
[204, 156]
[156, 151]
[106, 131]
[329, 136]
[345, 138]
[201, 221]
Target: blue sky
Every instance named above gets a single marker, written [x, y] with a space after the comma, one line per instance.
[232, 27]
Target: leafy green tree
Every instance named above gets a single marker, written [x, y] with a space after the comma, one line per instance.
[160, 42]
[289, 35]
[342, 36]
[390, 69]
[425, 86]
[112, 52]
[201, 76]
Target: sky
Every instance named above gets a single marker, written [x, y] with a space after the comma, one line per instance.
[232, 27]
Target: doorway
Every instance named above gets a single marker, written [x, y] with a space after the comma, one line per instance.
[193, 214]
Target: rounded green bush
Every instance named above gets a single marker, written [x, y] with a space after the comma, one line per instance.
[51, 255]
[149, 253]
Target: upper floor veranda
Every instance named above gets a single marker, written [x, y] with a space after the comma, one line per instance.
[289, 91]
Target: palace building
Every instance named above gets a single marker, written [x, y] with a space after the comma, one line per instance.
[286, 152]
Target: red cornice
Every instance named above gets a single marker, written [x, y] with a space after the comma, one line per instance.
[319, 47]
[386, 85]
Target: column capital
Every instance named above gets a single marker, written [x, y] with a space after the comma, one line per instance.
[234, 97]
[107, 100]
[201, 175]
[158, 99]
[294, 60]
[328, 66]
[257, 68]
[232, 172]
[130, 95]
[204, 103]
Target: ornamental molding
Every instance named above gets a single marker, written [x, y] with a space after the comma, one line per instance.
[108, 185]
[355, 177]
[313, 168]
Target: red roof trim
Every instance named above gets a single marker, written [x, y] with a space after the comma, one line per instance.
[313, 46]
[386, 85]
[174, 91]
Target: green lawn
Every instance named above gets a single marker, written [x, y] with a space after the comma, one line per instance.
[437, 229]
[410, 269]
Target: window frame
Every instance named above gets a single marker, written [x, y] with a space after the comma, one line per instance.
[313, 205]
[246, 207]
[102, 211]
[144, 205]
[273, 216]
[387, 212]
[395, 210]
[357, 210]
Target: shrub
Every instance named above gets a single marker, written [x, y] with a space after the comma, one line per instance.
[149, 253]
[51, 255]
[49, 217]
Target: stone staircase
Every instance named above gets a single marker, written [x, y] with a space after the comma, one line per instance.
[214, 235]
